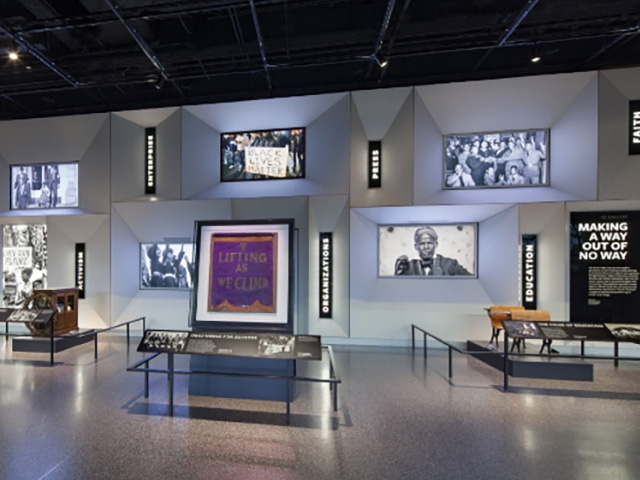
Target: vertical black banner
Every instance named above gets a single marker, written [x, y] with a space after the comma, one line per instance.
[529, 271]
[634, 127]
[150, 161]
[80, 269]
[375, 164]
[605, 264]
[326, 275]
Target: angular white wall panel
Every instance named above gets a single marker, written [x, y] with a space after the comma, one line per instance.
[565, 103]
[384, 308]
[397, 148]
[618, 172]
[574, 145]
[136, 222]
[329, 214]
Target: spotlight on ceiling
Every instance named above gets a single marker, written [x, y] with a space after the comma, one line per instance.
[159, 83]
[535, 55]
[381, 61]
[13, 55]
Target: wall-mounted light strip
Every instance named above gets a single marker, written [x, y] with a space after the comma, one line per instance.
[150, 161]
[529, 271]
[634, 127]
[81, 265]
[375, 164]
[326, 275]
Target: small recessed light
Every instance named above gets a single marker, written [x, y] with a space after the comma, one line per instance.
[535, 59]
[13, 55]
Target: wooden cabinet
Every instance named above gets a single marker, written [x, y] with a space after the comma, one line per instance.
[66, 303]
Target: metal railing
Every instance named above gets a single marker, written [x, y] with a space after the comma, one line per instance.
[90, 333]
[506, 353]
[143, 366]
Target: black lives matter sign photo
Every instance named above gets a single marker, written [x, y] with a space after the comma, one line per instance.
[605, 264]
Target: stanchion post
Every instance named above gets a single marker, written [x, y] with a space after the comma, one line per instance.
[424, 344]
[616, 352]
[128, 333]
[95, 346]
[413, 337]
[450, 362]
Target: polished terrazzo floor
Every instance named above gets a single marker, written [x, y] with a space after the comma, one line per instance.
[397, 419]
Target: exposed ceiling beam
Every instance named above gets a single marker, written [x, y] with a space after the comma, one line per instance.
[614, 41]
[142, 43]
[265, 64]
[35, 52]
[509, 31]
[378, 45]
[392, 37]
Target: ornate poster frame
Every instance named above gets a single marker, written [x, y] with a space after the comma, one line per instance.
[244, 274]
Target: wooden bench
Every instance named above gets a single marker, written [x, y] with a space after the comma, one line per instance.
[498, 314]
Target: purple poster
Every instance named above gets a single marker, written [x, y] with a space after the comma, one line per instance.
[242, 277]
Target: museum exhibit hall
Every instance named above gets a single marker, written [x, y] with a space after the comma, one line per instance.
[320, 239]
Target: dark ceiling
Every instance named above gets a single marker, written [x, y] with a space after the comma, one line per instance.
[80, 56]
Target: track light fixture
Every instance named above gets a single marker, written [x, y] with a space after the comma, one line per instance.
[535, 56]
[381, 61]
[159, 83]
[13, 52]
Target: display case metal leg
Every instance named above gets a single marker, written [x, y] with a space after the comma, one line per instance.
[170, 378]
[288, 415]
[128, 334]
[95, 346]
[146, 380]
[616, 352]
[6, 331]
[450, 362]
[51, 343]
[506, 362]
[335, 397]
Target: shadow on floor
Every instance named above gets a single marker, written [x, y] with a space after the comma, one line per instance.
[558, 392]
[235, 416]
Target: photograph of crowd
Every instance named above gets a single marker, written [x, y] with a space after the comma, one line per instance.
[427, 250]
[166, 266]
[499, 159]
[274, 154]
[164, 341]
[53, 185]
[24, 262]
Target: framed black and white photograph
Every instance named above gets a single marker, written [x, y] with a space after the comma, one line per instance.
[24, 262]
[507, 159]
[48, 185]
[427, 250]
[166, 266]
[244, 275]
[262, 155]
